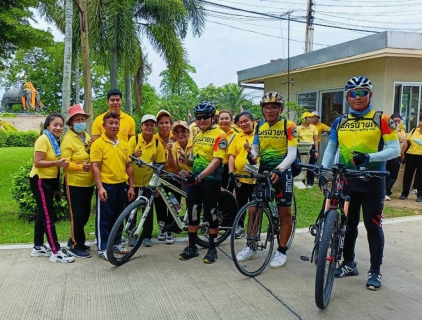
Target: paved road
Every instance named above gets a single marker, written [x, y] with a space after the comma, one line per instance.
[156, 285]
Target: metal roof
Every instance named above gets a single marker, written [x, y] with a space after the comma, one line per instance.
[381, 43]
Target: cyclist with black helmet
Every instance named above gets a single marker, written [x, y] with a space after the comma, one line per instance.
[277, 152]
[365, 139]
[204, 183]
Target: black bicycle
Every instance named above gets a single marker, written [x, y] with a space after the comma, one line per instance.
[260, 220]
[329, 228]
[126, 235]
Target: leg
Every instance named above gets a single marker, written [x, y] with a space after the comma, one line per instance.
[418, 176]
[409, 170]
[393, 166]
[310, 176]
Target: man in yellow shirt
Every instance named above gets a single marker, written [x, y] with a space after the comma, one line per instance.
[321, 127]
[127, 124]
[111, 169]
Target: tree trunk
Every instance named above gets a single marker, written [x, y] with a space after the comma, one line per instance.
[128, 92]
[67, 61]
[86, 64]
[113, 68]
[137, 86]
[77, 79]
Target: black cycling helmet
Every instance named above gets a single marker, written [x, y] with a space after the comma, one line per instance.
[359, 82]
[205, 107]
[272, 97]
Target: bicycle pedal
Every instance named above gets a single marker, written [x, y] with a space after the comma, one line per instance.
[304, 258]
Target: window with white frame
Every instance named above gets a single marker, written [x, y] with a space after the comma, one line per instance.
[308, 100]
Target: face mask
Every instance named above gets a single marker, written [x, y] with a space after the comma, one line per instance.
[79, 127]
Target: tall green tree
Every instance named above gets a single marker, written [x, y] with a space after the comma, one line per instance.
[184, 84]
[16, 31]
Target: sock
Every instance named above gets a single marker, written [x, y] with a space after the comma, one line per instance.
[192, 239]
[212, 242]
[282, 249]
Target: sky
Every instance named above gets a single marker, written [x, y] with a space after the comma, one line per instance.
[234, 40]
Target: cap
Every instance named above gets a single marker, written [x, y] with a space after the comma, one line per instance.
[162, 112]
[180, 123]
[306, 114]
[147, 117]
[316, 113]
[73, 111]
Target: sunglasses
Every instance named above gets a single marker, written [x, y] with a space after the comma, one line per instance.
[203, 117]
[361, 93]
[272, 108]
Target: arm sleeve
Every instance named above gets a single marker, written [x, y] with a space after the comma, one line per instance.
[329, 154]
[290, 157]
[392, 149]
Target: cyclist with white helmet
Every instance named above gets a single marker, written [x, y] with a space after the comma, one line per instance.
[365, 139]
[276, 145]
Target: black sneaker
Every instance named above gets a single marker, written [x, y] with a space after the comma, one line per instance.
[419, 199]
[346, 270]
[211, 256]
[189, 253]
[81, 246]
[374, 280]
[403, 197]
[79, 252]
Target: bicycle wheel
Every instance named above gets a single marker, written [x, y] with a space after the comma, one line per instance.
[123, 242]
[294, 219]
[226, 211]
[252, 253]
[326, 262]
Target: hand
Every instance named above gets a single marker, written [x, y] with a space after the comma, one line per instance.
[169, 145]
[57, 195]
[403, 159]
[359, 158]
[62, 163]
[89, 142]
[102, 193]
[183, 159]
[275, 175]
[251, 158]
[316, 154]
[131, 194]
[191, 179]
[87, 166]
[138, 153]
[231, 179]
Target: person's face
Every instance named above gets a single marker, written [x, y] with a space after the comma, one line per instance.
[203, 120]
[309, 120]
[79, 118]
[397, 121]
[314, 120]
[148, 127]
[111, 127]
[164, 124]
[181, 134]
[224, 121]
[246, 124]
[359, 99]
[271, 112]
[56, 126]
[115, 103]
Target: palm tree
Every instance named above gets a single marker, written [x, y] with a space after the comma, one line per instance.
[67, 59]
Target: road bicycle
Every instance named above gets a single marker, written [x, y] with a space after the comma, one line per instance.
[329, 228]
[126, 235]
[261, 223]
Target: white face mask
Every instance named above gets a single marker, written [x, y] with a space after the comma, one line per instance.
[79, 127]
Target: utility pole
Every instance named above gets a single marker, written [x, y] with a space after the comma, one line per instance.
[309, 36]
[288, 56]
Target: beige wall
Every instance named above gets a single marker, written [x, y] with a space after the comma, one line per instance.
[382, 72]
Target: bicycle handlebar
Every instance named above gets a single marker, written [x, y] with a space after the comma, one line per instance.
[156, 167]
[340, 168]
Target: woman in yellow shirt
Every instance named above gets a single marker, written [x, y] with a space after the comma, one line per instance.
[45, 186]
[78, 180]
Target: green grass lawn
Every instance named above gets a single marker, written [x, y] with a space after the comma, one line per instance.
[14, 230]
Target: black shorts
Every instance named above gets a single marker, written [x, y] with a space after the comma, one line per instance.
[283, 187]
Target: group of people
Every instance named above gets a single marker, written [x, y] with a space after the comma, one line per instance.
[210, 151]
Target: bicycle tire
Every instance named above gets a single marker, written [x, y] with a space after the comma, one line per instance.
[260, 239]
[294, 220]
[122, 229]
[326, 262]
[226, 211]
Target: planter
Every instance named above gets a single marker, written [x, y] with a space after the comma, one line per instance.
[304, 149]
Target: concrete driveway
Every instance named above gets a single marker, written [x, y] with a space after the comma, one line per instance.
[156, 285]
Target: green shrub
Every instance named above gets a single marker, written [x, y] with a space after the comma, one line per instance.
[18, 138]
[21, 192]
[8, 115]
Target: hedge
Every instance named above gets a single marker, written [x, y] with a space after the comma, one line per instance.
[18, 138]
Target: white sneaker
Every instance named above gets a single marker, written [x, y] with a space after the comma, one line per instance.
[169, 238]
[103, 254]
[387, 198]
[119, 248]
[279, 260]
[161, 236]
[246, 254]
[61, 257]
[41, 251]
[239, 233]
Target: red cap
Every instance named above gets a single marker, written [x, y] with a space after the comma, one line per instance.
[74, 110]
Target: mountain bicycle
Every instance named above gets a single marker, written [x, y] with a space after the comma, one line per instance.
[262, 225]
[329, 228]
[126, 235]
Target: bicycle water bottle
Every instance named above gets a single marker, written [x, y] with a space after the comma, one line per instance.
[274, 209]
[174, 202]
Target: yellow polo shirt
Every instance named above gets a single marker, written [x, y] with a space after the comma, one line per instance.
[112, 157]
[306, 134]
[237, 149]
[152, 152]
[415, 148]
[321, 127]
[178, 150]
[230, 136]
[126, 129]
[74, 150]
[164, 143]
[42, 144]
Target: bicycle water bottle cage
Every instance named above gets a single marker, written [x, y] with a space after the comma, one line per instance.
[269, 194]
